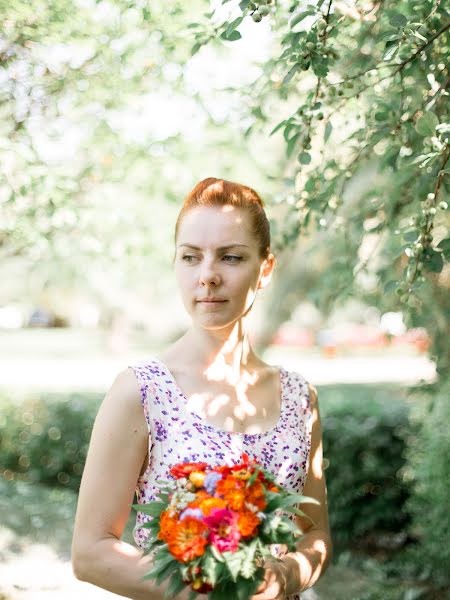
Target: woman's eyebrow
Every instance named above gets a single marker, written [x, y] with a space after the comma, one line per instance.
[220, 248]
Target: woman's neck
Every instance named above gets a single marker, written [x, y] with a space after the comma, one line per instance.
[220, 359]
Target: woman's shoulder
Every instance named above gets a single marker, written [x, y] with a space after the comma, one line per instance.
[300, 383]
[125, 385]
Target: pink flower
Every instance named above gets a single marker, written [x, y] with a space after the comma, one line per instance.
[224, 532]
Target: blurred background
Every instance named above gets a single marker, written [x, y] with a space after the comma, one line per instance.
[110, 113]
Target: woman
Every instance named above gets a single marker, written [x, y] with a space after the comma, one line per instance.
[208, 397]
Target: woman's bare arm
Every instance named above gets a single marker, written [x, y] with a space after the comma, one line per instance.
[117, 450]
[313, 555]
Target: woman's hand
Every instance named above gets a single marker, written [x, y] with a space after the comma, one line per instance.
[275, 581]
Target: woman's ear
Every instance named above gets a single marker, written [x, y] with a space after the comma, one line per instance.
[266, 271]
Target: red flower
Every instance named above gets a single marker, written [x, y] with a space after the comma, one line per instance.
[185, 469]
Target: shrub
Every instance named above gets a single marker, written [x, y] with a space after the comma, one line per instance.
[45, 439]
[428, 471]
[364, 429]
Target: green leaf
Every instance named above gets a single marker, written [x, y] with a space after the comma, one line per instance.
[224, 591]
[298, 17]
[418, 35]
[232, 26]
[233, 36]
[391, 51]
[288, 130]
[233, 560]
[246, 588]
[165, 573]
[328, 130]
[289, 150]
[433, 263]
[161, 568]
[281, 124]
[388, 35]
[195, 48]
[291, 73]
[426, 124]
[444, 245]
[254, 475]
[398, 20]
[320, 68]
[154, 509]
[411, 236]
[217, 554]
[176, 585]
[291, 500]
[304, 158]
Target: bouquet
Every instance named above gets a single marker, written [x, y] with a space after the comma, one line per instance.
[211, 528]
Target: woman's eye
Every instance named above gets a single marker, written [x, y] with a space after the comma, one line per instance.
[187, 257]
[234, 258]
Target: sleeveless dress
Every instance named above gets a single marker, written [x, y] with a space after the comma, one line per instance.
[177, 434]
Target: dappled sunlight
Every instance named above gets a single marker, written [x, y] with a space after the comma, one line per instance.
[219, 370]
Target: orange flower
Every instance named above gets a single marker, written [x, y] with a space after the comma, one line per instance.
[228, 484]
[188, 540]
[256, 495]
[167, 526]
[242, 474]
[199, 496]
[248, 523]
[236, 499]
[209, 503]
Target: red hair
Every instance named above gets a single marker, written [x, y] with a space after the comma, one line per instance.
[220, 192]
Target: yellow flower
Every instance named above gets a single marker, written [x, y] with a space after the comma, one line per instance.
[197, 478]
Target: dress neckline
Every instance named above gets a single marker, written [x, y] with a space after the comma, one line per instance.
[196, 417]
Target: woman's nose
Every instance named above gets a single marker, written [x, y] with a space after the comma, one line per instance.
[209, 274]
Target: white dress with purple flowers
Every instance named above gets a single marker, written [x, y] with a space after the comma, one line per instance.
[177, 434]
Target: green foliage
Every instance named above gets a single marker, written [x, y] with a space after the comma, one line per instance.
[362, 98]
[428, 470]
[45, 439]
[364, 441]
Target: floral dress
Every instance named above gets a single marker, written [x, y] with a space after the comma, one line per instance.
[176, 434]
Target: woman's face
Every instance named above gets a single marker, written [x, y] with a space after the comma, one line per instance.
[217, 258]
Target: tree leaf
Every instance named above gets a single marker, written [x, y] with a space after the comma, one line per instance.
[298, 17]
[391, 51]
[398, 20]
[444, 245]
[291, 144]
[233, 36]
[291, 73]
[434, 262]
[195, 48]
[411, 236]
[277, 127]
[328, 130]
[426, 124]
